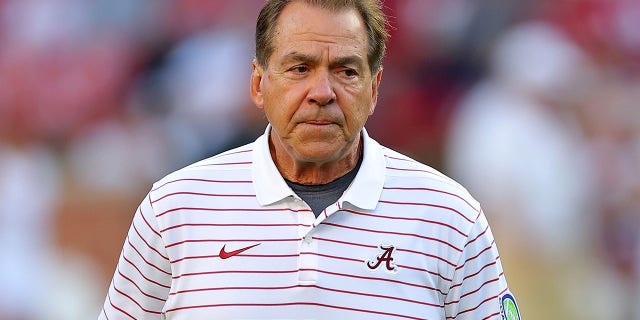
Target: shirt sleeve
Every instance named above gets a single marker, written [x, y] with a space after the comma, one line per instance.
[478, 281]
[142, 279]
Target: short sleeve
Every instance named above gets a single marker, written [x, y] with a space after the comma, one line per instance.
[142, 280]
[478, 284]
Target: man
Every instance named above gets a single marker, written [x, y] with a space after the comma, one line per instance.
[314, 220]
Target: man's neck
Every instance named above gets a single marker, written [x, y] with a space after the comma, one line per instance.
[313, 173]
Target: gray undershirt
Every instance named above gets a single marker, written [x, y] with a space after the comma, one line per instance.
[320, 196]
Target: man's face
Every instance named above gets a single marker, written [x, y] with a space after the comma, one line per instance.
[317, 90]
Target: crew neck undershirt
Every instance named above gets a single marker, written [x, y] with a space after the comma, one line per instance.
[320, 196]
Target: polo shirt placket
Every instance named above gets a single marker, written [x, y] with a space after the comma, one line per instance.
[271, 187]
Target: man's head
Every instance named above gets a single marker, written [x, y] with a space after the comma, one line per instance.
[370, 11]
[316, 84]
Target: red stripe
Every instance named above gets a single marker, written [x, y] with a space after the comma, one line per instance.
[345, 242]
[479, 288]
[474, 291]
[138, 287]
[136, 302]
[429, 255]
[239, 255]
[309, 286]
[200, 180]
[394, 233]
[401, 159]
[360, 261]
[409, 219]
[228, 153]
[399, 249]
[232, 271]
[234, 225]
[477, 237]
[232, 210]
[230, 240]
[142, 274]
[425, 270]
[478, 306]
[491, 315]
[105, 314]
[379, 296]
[145, 260]
[474, 274]
[202, 194]
[114, 306]
[427, 205]
[223, 164]
[433, 190]
[294, 304]
[330, 256]
[416, 170]
[236, 288]
[147, 243]
[373, 278]
[476, 256]
[147, 222]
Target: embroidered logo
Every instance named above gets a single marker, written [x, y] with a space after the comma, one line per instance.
[385, 258]
[226, 255]
[509, 308]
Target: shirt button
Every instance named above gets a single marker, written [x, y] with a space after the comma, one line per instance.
[308, 239]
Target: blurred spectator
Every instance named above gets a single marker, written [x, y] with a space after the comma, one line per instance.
[29, 189]
[512, 139]
[514, 143]
[437, 53]
[38, 279]
[611, 123]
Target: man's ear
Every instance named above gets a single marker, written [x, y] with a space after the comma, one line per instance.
[255, 86]
[375, 83]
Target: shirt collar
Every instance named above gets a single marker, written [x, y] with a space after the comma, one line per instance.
[269, 184]
[363, 192]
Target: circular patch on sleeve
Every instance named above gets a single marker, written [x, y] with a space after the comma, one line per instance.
[509, 308]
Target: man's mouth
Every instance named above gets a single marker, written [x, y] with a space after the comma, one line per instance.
[318, 122]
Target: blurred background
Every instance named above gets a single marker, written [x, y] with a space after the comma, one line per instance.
[532, 105]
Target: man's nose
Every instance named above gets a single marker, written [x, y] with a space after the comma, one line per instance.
[321, 91]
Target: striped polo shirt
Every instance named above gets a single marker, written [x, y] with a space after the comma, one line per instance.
[226, 238]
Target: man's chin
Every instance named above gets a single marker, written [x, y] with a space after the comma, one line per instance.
[319, 152]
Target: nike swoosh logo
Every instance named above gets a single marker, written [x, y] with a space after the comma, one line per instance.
[226, 255]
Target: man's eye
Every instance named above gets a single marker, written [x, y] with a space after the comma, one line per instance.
[299, 69]
[350, 73]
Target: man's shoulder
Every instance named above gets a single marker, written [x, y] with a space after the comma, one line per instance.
[226, 165]
[237, 156]
[399, 164]
[411, 173]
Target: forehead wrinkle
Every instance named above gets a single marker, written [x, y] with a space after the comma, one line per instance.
[300, 57]
[343, 41]
[344, 53]
[325, 37]
[314, 59]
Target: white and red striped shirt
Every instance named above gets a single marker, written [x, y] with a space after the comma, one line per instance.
[226, 238]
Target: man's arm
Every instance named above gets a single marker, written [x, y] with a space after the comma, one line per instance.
[479, 283]
[142, 279]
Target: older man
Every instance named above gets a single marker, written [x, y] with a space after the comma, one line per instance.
[313, 220]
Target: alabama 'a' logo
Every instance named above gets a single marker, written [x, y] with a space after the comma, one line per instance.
[384, 259]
